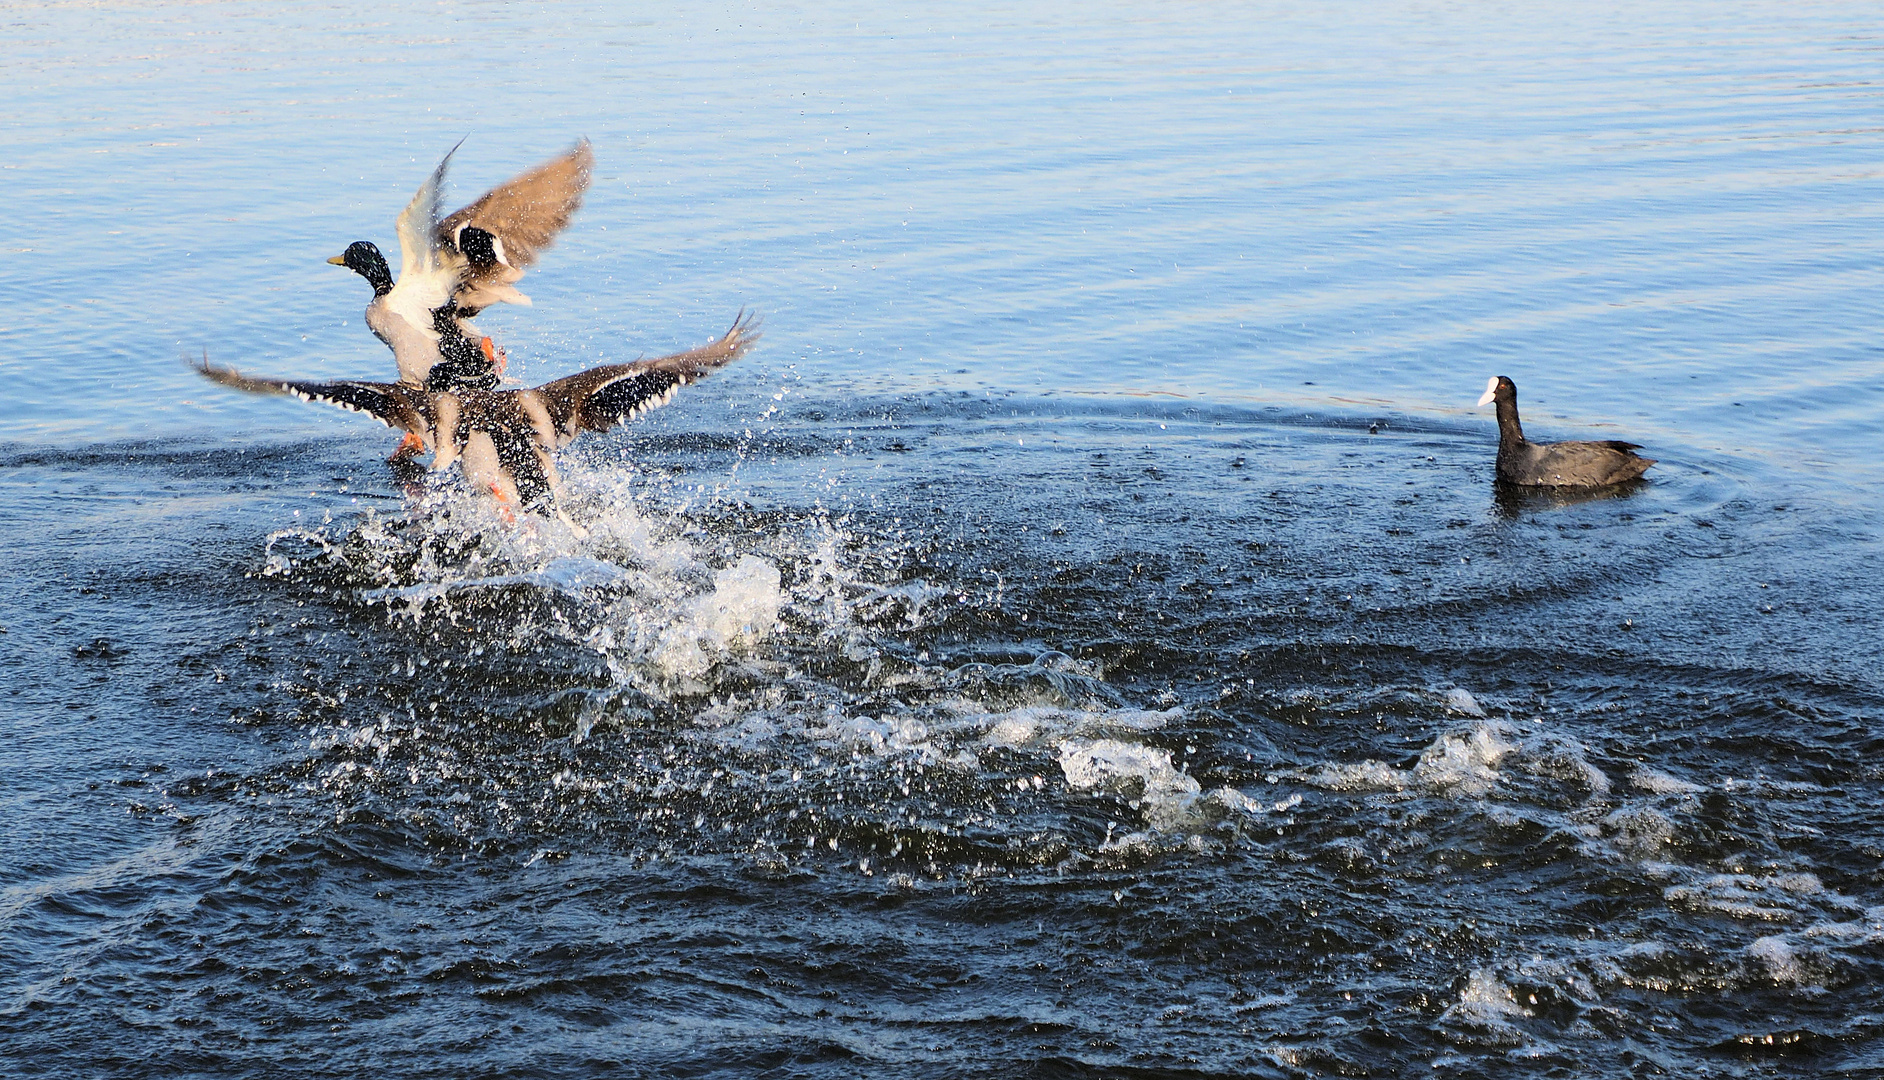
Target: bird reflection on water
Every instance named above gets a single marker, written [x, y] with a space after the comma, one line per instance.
[1516, 500]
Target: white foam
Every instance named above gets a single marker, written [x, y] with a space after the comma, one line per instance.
[1467, 762]
[1471, 763]
[884, 735]
[1143, 775]
[1045, 725]
[1539, 969]
[1486, 995]
[661, 611]
[1868, 929]
[1460, 700]
[571, 575]
[743, 605]
[1657, 782]
[666, 631]
[1562, 758]
[1486, 1009]
[1464, 762]
[1802, 957]
[1776, 955]
[1640, 831]
[1800, 884]
[1743, 896]
[1020, 728]
[1367, 775]
[1098, 751]
[1171, 801]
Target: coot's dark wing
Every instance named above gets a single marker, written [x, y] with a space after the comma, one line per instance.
[1572, 464]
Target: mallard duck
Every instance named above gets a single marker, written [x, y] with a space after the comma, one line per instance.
[452, 269]
[505, 440]
[1564, 464]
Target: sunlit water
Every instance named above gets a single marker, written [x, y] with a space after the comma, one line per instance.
[1081, 640]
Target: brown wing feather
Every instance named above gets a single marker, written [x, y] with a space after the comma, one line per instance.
[392, 404]
[528, 211]
[599, 398]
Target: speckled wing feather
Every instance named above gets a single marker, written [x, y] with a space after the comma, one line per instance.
[600, 398]
[526, 213]
[392, 404]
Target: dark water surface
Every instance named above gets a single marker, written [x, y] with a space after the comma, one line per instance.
[1082, 640]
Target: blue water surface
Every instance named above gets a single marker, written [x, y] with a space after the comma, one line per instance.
[1082, 639]
[1661, 222]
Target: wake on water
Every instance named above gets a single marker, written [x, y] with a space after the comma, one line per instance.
[767, 632]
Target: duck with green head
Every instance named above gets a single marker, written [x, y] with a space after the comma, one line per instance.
[453, 268]
[504, 441]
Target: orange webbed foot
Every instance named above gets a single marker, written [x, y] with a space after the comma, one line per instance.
[409, 447]
[498, 358]
[503, 502]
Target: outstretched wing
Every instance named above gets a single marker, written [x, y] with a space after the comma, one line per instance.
[418, 224]
[391, 404]
[428, 275]
[523, 215]
[600, 398]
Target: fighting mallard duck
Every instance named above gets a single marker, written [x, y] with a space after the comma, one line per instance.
[505, 440]
[451, 269]
[1564, 464]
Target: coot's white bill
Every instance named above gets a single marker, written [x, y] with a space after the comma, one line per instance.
[1491, 391]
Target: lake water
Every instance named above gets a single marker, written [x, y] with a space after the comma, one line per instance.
[1082, 639]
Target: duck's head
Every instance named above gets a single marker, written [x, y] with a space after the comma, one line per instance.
[365, 260]
[1498, 388]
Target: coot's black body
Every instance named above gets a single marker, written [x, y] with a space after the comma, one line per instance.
[1564, 464]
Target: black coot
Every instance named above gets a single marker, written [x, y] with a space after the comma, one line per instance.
[1564, 464]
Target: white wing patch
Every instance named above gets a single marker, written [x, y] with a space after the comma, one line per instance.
[656, 402]
[321, 399]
